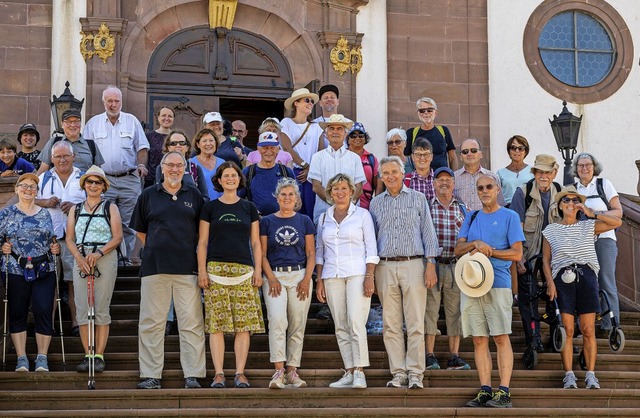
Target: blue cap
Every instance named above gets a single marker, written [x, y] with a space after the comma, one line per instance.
[357, 126]
[268, 139]
[443, 170]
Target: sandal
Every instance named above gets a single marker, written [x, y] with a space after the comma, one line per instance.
[241, 381]
[219, 381]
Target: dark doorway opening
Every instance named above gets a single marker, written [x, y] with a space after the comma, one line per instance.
[252, 112]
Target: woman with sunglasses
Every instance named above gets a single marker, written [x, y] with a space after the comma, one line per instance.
[205, 144]
[177, 141]
[92, 237]
[517, 172]
[165, 118]
[27, 232]
[396, 142]
[303, 139]
[356, 139]
[570, 266]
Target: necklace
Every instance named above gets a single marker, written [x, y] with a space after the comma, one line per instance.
[93, 208]
[174, 196]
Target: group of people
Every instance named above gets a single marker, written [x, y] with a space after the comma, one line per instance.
[219, 222]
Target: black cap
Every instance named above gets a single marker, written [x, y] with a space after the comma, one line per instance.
[28, 127]
[71, 113]
[328, 87]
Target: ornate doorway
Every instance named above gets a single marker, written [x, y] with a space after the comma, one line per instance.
[237, 73]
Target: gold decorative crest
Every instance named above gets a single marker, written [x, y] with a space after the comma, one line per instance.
[356, 60]
[341, 56]
[104, 44]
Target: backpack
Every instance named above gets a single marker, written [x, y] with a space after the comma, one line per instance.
[374, 179]
[527, 196]
[251, 173]
[90, 142]
[106, 212]
[599, 190]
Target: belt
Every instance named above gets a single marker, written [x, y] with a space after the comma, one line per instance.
[446, 260]
[405, 258]
[126, 173]
[289, 268]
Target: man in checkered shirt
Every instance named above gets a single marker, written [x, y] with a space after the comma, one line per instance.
[447, 214]
[421, 179]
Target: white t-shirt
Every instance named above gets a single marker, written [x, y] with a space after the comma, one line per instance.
[595, 203]
[309, 143]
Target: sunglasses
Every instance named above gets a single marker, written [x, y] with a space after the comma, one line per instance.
[517, 148]
[176, 143]
[308, 100]
[428, 110]
[394, 142]
[573, 200]
[469, 150]
[487, 187]
[94, 181]
[357, 136]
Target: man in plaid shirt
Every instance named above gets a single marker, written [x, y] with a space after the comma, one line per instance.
[421, 179]
[447, 215]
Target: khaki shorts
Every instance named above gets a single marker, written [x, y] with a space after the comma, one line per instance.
[488, 315]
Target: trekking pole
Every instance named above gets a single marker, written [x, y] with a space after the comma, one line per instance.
[6, 302]
[56, 259]
[91, 329]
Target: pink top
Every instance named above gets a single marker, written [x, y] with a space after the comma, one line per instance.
[283, 157]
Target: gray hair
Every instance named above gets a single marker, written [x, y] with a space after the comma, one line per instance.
[164, 157]
[287, 182]
[426, 100]
[337, 179]
[269, 122]
[597, 167]
[111, 88]
[392, 159]
[397, 131]
[422, 142]
[59, 144]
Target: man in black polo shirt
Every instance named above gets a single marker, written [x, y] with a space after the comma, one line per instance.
[166, 220]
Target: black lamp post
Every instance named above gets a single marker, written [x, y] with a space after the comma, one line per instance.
[62, 103]
[566, 128]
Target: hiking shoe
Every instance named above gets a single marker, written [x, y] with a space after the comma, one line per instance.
[150, 384]
[432, 363]
[278, 380]
[570, 381]
[480, 400]
[399, 380]
[293, 380]
[415, 382]
[42, 365]
[83, 367]
[190, 383]
[324, 312]
[346, 381]
[501, 399]
[359, 380]
[591, 381]
[98, 365]
[23, 364]
[457, 363]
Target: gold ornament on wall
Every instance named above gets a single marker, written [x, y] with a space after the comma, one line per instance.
[104, 44]
[345, 59]
[356, 60]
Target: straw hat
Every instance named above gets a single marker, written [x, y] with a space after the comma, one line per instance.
[337, 119]
[474, 274]
[95, 171]
[570, 190]
[299, 94]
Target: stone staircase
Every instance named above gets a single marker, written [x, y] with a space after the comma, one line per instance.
[535, 392]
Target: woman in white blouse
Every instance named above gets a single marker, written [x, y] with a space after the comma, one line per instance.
[346, 256]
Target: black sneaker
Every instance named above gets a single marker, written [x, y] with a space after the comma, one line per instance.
[83, 367]
[457, 363]
[480, 400]
[191, 383]
[432, 363]
[501, 399]
[324, 312]
[98, 365]
[149, 384]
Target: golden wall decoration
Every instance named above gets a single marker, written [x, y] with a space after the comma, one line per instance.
[345, 59]
[104, 44]
[222, 13]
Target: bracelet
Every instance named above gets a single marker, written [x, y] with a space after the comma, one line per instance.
[99, 251]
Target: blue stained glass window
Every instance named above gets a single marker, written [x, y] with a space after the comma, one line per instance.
[576, 49]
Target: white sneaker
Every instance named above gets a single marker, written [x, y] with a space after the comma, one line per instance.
[359, 381]
[277, 380]
[591, 381]
[570, 381]
[399, 380]
[346, 381]
[415, 382]
[294, 381]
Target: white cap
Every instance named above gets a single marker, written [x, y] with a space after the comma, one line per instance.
[212, 117]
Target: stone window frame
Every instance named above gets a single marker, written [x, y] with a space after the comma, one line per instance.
[620, 37]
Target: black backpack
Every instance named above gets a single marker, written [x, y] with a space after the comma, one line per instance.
[600, 191]
[251, 173]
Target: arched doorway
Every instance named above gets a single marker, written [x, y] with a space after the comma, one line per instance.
[238, 73]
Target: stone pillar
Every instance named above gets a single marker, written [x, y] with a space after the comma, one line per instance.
[67, 63]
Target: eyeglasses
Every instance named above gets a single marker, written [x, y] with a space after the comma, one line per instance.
[469, 150]
[427, 109]
[308, 100]
[24, 186]
[62, 157]
[573, 200]
[172, 165]
[517, 148]
[585, 165]
[237, 131]
[487, 187]
[421, 155]
[357, 136]
[72, 122]
[394, 142]
[99, 182]
[176, 143]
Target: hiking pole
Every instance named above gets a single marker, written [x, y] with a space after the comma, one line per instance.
[6, 302]
[91, 329]
[56, 259]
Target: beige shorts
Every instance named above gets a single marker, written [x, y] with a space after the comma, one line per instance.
[488, 315]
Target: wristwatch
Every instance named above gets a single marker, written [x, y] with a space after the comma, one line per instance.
[431, 260]
[304, 164]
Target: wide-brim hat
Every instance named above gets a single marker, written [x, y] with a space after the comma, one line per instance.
[474, 274]
[26, 128]
[570, 190]
[337, 119]
[299, 94]
[95, 171]
[545, 162]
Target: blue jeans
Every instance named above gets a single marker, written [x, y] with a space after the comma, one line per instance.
[607, 251]
[307, 196]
